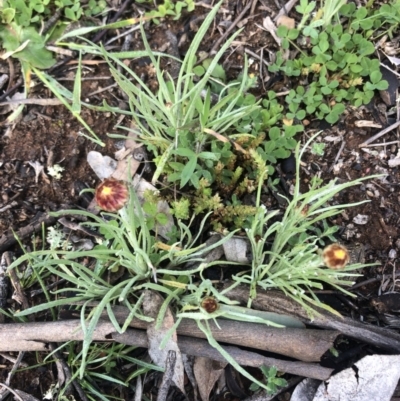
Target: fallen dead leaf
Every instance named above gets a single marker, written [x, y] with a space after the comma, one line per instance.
[207, 372]
[103, 166]
[286, 21]
[366, 123]
[126, 159]
[126, 169]
[225, 139]
[269, 26]
[373, 378]
[152, 303]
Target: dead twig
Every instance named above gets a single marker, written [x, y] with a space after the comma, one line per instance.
[19, 294]
[379, 134]
[255, 55]
[67, 372]
[285, 9]
[115, 18]
[275, 301]
[373, 280]
[382, 144]
[230, 29]
[9, 390]
[337, 156]
[9, 239]
[6, 390]
[12, 359]
[3, 284]
[302, 344]
[40, 102]
[36, 336]
[201, 348]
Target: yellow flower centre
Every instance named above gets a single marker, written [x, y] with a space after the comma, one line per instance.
[106, 191]
[340, 254]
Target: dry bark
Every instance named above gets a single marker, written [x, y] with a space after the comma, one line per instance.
[302, 344]
[201, 348]
[37, 336]
[275, 301]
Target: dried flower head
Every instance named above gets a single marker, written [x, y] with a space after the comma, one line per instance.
[209, 304]
[303, 211]
[111, 195]
[336, 256]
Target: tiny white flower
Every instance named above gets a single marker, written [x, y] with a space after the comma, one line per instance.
[55, 171]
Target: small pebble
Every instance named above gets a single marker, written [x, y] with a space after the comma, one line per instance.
[361, 219]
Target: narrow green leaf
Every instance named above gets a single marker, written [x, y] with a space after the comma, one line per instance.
[76, 98]
[188, 171]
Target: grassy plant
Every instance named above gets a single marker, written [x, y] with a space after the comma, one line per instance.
[127, 244]
[174, 120]
[22, 39]
[330, 9]
[217, 151]
[70, 100]
[206, 134]
[287, 254]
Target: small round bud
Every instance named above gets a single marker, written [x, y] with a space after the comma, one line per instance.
[209, 304]
[336, 256]
[111, 195]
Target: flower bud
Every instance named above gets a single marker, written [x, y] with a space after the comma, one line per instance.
[111, 195]
[336, 256]
[209, 304]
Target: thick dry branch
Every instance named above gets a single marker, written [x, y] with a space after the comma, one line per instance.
[275, 301]
[302, 344]
[37, 336]
[201, 348]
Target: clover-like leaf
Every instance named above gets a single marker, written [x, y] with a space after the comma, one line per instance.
[34, 53]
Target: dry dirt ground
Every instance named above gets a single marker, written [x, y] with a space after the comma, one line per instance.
[49, 135]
